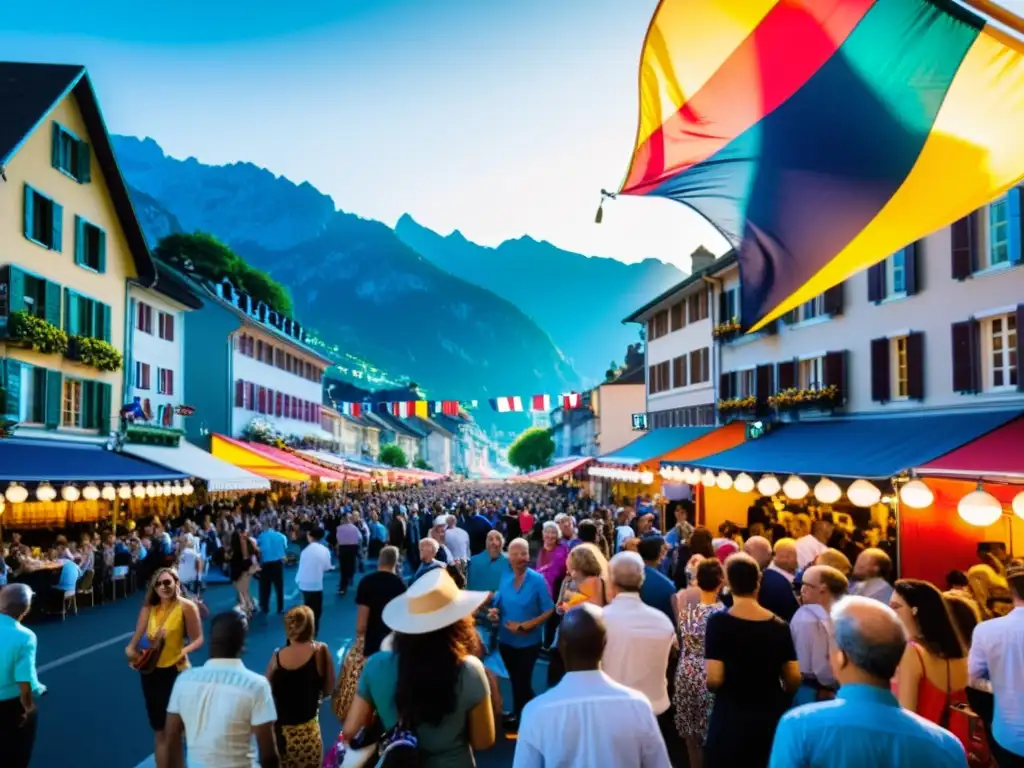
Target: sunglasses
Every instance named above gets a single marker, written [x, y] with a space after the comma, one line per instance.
[166, 583]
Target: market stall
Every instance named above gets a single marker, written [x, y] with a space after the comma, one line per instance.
[271, 463]
[219, 476]
[558, 470]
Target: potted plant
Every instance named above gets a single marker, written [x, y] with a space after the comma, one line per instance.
[726, 330]
[33, 332]
[96, 353]
[798, 399]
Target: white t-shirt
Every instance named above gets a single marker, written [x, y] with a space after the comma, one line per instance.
[457, 541]
[639, 641]
[314, 562]
[188, 566]
[623, 533]
[220, 703]
[808, 548]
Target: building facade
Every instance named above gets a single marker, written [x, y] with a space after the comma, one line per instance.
[437, 448]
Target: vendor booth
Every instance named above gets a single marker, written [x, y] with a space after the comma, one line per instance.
[272, 463]
[219, 476]
[560, 469]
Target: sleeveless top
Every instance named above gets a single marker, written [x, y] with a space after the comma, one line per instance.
[297, 692]
[933, 701]
[172, 621]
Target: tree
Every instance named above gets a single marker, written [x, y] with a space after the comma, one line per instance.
[532, 450]
[392, 455]
[421, 463]
[263, 287]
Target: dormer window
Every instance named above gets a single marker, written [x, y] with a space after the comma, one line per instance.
[71, 155]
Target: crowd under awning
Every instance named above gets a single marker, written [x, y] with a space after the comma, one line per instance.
[58, 461]
[555, 471]
[220, 476]
[270, 462]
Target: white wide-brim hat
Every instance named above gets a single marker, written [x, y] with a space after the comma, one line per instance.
[433, 602]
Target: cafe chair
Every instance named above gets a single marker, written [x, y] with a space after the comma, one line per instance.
[70, 601]
[85, 587]
[119, 575]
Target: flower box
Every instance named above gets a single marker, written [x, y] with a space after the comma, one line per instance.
[737, 405]
[31, 332]
[95, 353]
[795, 399]
[726, 331]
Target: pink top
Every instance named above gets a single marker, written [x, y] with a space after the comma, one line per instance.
[551, 563]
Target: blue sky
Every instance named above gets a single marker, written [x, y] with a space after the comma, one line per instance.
[496, 118]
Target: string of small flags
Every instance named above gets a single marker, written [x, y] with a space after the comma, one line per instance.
[424, 409]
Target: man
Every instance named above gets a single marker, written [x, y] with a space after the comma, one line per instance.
[349, 539]
[428, 558]
[640, 641]
[478, 527]
[376, 590]
[273, 546]
[588, 719]
[219, 707]
[759, 548]
[813, 544]
[567, 529]
[873, 569]
[645, 525]
[811, 627]
[776, 593]
[997, 650]
[865, 725]
[456, 539]
[486, 571]
[314, 562]
[414, 533]
[437, 533]
[397, 531]
[19, 682]
[657, 591]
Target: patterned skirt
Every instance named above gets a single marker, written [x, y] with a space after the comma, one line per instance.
[301, 746]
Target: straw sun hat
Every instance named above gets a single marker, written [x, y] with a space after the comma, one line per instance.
[433, 602]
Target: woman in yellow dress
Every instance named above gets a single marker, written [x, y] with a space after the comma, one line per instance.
[166, 620]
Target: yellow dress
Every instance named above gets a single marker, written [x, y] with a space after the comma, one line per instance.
[172, 621]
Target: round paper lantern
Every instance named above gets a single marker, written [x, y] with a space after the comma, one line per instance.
[646, 478]
[90, 492]
[109, 492]
[743, 483]
[124, 492]
[167, 488]
[861, 493]
[187, 488]
[723, 481]
[916, 494]
[1018, 505]
[708, 479]
[768, 485]
[150, 490]
[70, 493]
[16, 494]
[980, 508]
[827, 492]
[795, 488]
[46, 492]
[176, 489]
[139, 490]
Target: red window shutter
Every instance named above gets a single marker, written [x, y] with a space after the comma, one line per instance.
[787, 375]
[262, 400]
[881, 373]
[287, 406]
[279, 404]
[239, 394]
[966, 357]
[915, 366]
[250, 394]
[964, 236]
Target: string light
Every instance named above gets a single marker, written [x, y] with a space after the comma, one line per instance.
[861, 493]
[980, 508]
[723, 481]
[90, 492]
[916, 494]
[70, 493]
[16, 494]
[46, 492]
[795, 488]
[827, 492]
[768, 485]
[743, 483]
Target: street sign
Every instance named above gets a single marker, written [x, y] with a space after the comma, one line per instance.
[640, 422]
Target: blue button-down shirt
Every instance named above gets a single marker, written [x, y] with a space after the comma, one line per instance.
[997, 655]
[485, 573]
[524, 604]
[17, 658]
[273, 546]
[863, 726]
[70, 573]
[657, 592]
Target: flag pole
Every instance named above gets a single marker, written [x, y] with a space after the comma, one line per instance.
[997, 12]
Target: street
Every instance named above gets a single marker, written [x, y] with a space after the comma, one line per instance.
[93, 713]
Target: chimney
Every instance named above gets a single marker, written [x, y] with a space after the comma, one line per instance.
[700, 259]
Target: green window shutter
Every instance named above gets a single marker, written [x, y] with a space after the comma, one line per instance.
[101, 263]
[104, 327]
[84, 163]
[54, 398]
[30, 216]
[11, 381]
[102, 400]
[51, 311]
[79, 240]
[16, 289]
[56, 143]
[71, 311]
[58, 226]
[89, 404]
[38, 414]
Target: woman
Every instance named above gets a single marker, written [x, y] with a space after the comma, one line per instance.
[168, 618]
[429, 683]
[752, 670]
[691, 698]
[990, 591]
[966, 616]
[190, 565]
[301, 674]
[551, 564]
[241, 568]
[605, 531]
[585, 583]
[933, 672]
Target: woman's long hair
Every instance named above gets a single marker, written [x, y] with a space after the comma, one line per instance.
[429, 667]
[700, 542]
[152, 598]
[938, 633]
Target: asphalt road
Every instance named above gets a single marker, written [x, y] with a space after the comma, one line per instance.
[93, 715]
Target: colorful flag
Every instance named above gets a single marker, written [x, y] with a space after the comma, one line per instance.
[571, 400]
[450, 408]
[507, 404]
[540, 403]
[420, 408]
[821, 136]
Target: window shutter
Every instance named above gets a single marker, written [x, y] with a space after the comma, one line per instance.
[51, 311]
[787, 375]
[58, 226]
[101, 261]
[763, 380]
[966, 357]
[54, 399]
[915, 366]
[11, 381]
[834, 372]
[15, 289]
[876, 282]
[239, 394]
[101, 330]
[170, 381]
[725, 386]
[84, 163]
[963, 234]
[1020, 347]
[79, 240]
[71, 315]
[880, 370]
[911, 262]
[30, 217]
[833, 300]
[651, 369]
[1015, 234]
[723, 307]
[104, 393]
[55, 146]
[170, 327]
[89, 405]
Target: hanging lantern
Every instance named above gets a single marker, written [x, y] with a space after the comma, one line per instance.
[646, 478]
[707, 479]
[176, 489]
[861, 493]
[16, 494]
[124, 492]
[139, 491]
[150, 490]
[743, 483]
[827, 492]
[795, 488]
[723, 481]
[109, 492]
[768, 485]
[980, 508]
[70, 493]
[1018, 505]
[167, 488]
[187, 488]
[46, 492]
[90, 492]
[916, 494]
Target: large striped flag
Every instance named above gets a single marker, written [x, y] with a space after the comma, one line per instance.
[821, 136]
[507, 404]
[540, 403]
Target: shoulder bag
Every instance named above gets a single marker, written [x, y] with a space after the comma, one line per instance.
[149, 656]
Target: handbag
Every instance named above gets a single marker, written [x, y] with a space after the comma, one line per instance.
[348, 679]
[959, 719]
[149, 656]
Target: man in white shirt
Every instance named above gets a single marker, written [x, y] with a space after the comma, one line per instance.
[220, 707]
[438, 533]
[813, 544]
[457, 540]
[314, 562]
[640, 641]
[623, 530]
[588, 719]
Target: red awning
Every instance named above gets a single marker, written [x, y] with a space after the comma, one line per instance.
[555, 471]
[288, 459]
[996, 455]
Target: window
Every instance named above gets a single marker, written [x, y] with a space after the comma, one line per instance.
[678, 316]
[250, 396]
[679, 372]
[657, 326]
[43, 220]
[144, 317]
[900, 385]
[730, 305]
[813, 308]
[34, 295]
[658, 378]
[166, 326]
[998, 232]
[141, 375]
[71, 414]
[809, 374]
[164, 381]
[699, 366]
[697, 306]
[32, 407]
[70, 154]
[90, 245]
[1002, 368]
[746, 383]
[896, 274]
[86, 317]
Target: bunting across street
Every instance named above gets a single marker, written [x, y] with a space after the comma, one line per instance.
[425, 409]
[822, 136]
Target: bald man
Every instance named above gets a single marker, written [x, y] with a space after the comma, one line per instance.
[588, 718]
[865, 725]
[872, 571]
[759, 548]
[777, 591]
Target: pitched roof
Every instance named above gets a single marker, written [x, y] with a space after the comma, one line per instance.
[686, 282]
[29, 93]
[634, 375]
[174, 286]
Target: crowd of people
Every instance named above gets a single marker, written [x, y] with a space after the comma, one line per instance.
[784, 642]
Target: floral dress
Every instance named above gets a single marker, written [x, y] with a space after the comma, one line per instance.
[692, 699]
